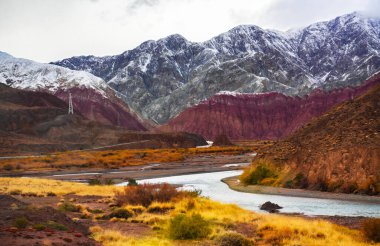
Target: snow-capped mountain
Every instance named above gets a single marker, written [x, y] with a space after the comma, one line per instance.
[92, 97]
[160, 78]
[26, 74]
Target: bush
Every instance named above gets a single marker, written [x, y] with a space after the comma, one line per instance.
[15, 192]
[145, 194]
[95, 181]
[193, 193]
[159, 208]
[39, 227]
[21, 223]
[371, 229]
[188, 227]
[8, 167]
[32, 194]
[68, 207]
[99, 181]
[258, 172]
[120, 213]
[137, 209]
[96, 211]
[131, 182]
[56, 226]
[51, 194]
[233, 239]
[108, 182]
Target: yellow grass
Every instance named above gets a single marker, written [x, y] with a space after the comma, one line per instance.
[115, 238]
[298, 231]
[43, 186]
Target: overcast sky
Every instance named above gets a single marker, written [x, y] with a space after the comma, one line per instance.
[48, 30]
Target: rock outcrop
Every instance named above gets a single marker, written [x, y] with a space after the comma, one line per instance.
[270, 207]
[258, 116]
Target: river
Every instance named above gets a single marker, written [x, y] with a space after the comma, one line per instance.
[212, 187]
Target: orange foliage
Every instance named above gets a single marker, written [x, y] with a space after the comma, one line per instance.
[112, 158]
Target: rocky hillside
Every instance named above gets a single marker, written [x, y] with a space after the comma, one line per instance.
[92, 97]
[36, 122]
[258, 116]
[339, 151]
[159, 79]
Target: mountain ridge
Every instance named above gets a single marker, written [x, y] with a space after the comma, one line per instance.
[161, 78]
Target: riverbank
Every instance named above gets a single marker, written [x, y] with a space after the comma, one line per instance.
[234, 184]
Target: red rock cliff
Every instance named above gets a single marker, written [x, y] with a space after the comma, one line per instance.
[258, 116]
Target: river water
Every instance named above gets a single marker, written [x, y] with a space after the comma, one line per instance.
[211, 186]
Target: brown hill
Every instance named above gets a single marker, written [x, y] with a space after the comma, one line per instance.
[339, 151]
[38, 122]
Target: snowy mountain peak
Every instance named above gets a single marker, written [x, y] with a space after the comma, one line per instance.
[26, 74]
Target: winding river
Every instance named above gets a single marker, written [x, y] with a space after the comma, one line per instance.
[211, 186]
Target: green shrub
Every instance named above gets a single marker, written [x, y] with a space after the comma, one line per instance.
[120, 213]
[160, 208]
[193, 192]
[289, 184]
[68, 207]
[132, 182]
[233, 239]
[15, 192]
[188, 227]
[32, 194]
[21, 223]
[39, 227]
[96, 211]
[137, 209]
[95, 181]
[298, 177]
[56, 226]
[257, 172]
[108, 182]
[371, 229]
[51, 194]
